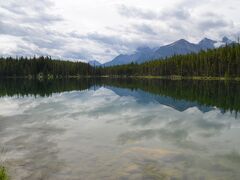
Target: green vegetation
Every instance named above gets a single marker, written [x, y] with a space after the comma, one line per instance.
[223, 62]
[216, 64]
[3, 174]
[42, 67]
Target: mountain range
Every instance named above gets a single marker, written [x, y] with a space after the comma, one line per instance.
[94, 63]
[182, 46]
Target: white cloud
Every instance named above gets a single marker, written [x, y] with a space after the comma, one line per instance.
[102, 29]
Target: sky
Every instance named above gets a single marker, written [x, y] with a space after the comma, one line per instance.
[102, 29]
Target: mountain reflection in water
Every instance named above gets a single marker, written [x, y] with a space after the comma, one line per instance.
[120, 129]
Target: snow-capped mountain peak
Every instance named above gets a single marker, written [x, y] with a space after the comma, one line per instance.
[182, 46]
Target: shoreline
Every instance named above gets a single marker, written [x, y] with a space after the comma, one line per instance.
[206, 78]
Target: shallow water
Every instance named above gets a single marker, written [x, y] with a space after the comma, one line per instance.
[119, 130]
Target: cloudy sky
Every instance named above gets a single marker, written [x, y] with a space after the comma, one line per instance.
[102, 29]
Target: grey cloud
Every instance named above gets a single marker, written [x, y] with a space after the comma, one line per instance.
[191, 3]
[77, 55]
[99, 38]
[145, 29]
[22, 11]
[106, 39]
[14, 30]
[133, 12]
[212, 24]
[121, 42]
[22, 50]
[44, 39]
[136, 12]
[117, 43]
[14, 9]
[20, 6]
[178, 13]
[29, 20]
[50, 43]
[210, 20]
[108, 51]
[33, 21]
[40, 37]
[43, 19]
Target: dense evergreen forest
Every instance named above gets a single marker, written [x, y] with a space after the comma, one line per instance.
[42, 66]
[220, 62]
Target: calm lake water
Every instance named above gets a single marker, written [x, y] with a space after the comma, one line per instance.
[120, 129]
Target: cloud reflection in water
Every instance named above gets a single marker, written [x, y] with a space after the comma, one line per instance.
[101, 134]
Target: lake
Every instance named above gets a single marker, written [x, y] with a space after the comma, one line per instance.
[120, 129]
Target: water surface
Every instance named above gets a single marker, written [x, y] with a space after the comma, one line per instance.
[120, 129]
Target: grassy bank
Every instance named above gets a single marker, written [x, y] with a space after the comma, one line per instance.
[179, 78]
[3, 174]
[191, 78]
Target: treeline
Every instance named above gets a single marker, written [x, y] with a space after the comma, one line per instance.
[220, 62]
[42, 66]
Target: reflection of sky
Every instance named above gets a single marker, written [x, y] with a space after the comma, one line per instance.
[88, 133]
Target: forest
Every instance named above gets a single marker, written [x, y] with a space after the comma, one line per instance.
[219, 62]
[42, 67]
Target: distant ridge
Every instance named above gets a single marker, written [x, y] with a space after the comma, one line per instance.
[94, 63]
[181, 46]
